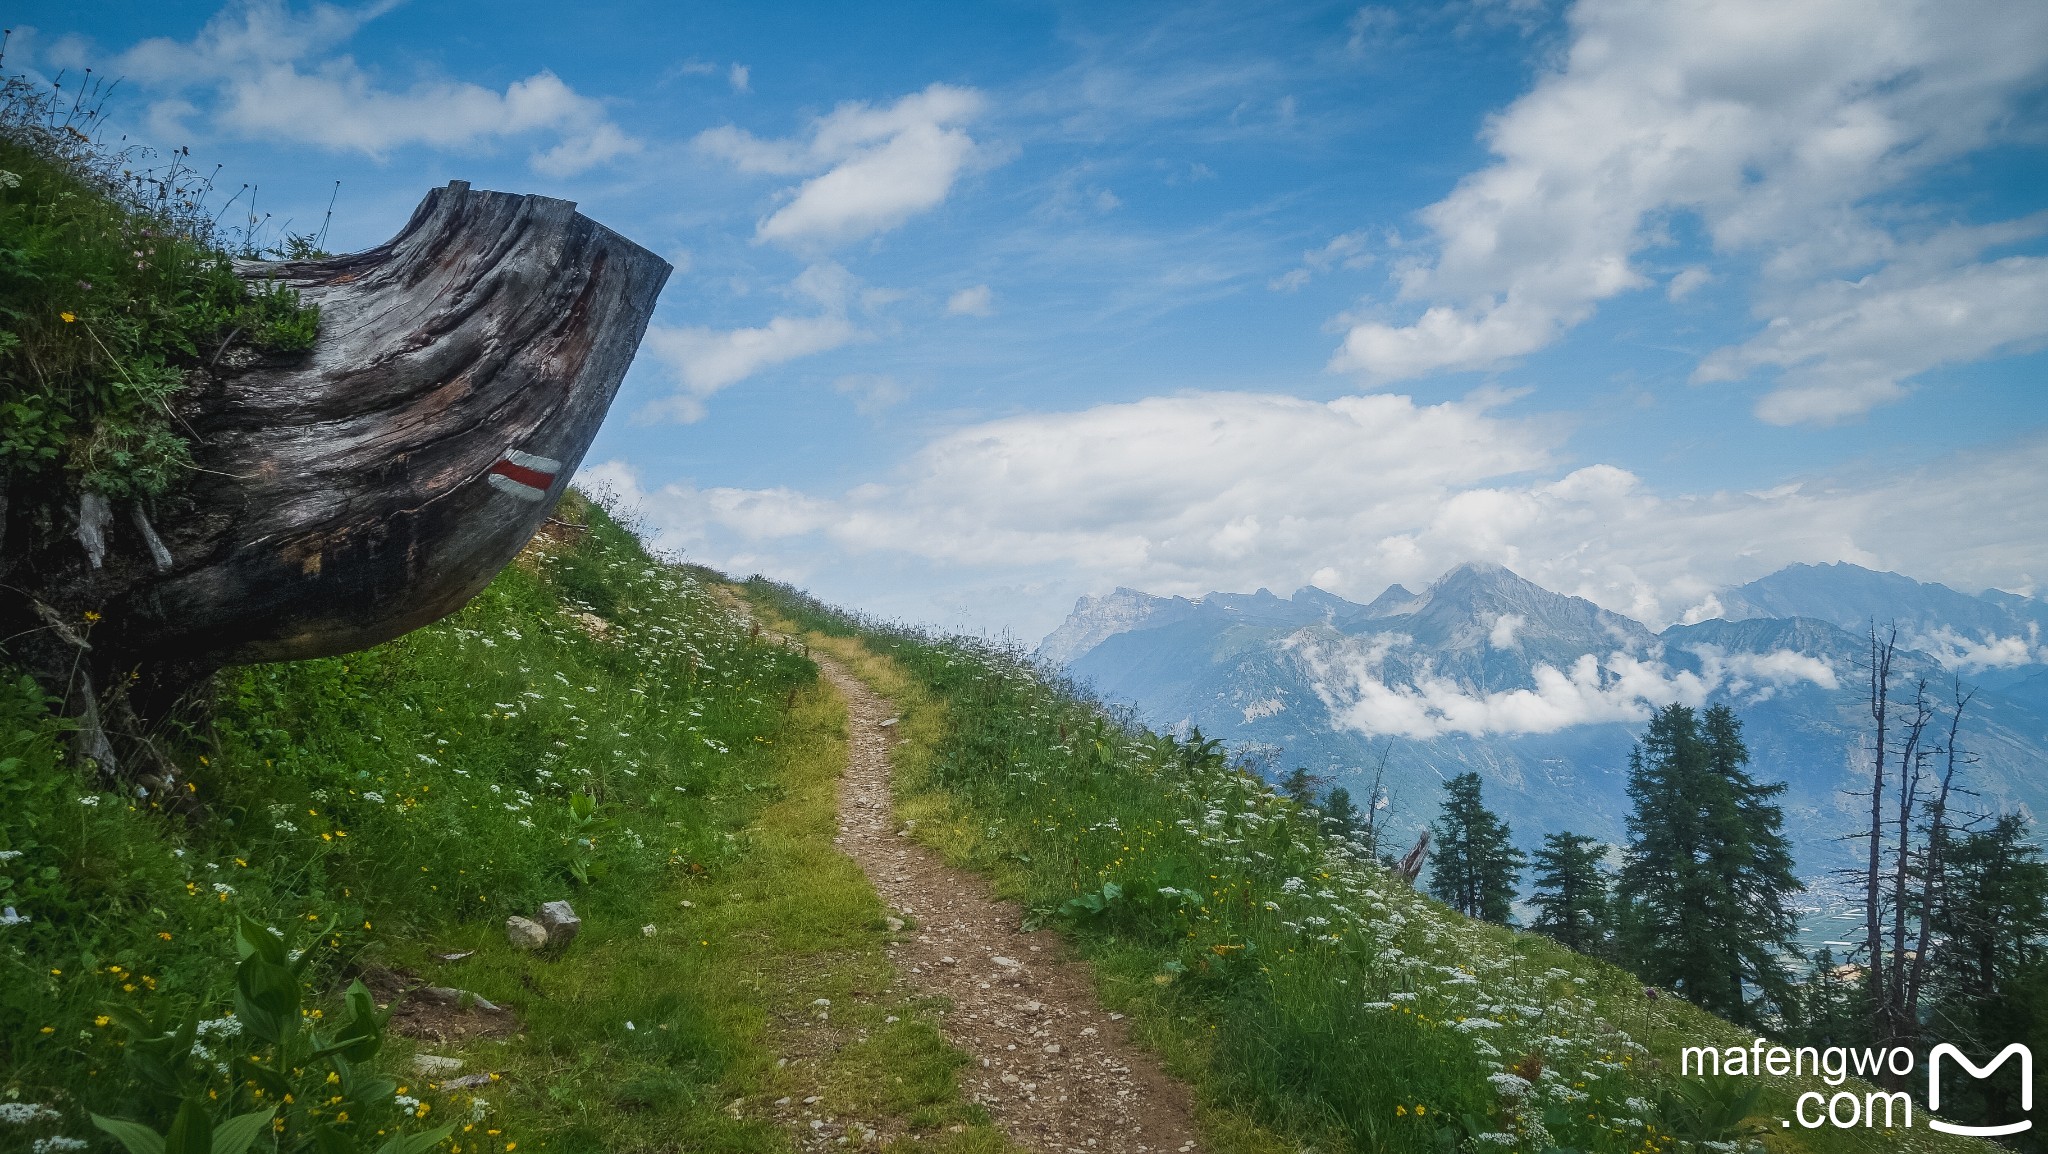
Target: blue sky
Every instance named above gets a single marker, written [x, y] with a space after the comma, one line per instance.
[981, 307]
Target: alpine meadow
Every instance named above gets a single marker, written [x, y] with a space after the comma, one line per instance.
[1431, 577]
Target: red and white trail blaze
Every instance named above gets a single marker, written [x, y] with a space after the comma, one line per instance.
[523, 475]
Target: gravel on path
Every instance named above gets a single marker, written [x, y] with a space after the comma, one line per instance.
[1057, 1071]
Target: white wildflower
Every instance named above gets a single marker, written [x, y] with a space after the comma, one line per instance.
[1509, 1085]
[89, 799]
[9, 918]
[22, 1113]
[9, 854]
[57, 1144]
[223, 889]
[373, 795]
[1471, 1024]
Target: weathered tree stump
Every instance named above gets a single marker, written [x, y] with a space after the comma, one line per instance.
[350, 494]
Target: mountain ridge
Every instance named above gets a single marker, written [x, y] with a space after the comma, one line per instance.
[1543, 693]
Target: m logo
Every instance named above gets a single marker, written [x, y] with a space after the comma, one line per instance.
[1984, 1071]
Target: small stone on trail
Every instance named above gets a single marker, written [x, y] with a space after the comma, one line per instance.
[467, 1082]
[889, 724]
[434, 1065]
[525, 933]
[561, 922]
[895, 924]
[1011, 963]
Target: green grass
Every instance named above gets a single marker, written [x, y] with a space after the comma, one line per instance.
[1306, 994]
[115, 288]
[413, 795]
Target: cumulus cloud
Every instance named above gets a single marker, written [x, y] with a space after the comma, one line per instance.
[704, 360]
[1775, 125]
[1186, 494]
[875, 167]
[1502, 634]
[1976, 654]
[260, 70]
[1845, 347]
[977, 301]
[1618, 687]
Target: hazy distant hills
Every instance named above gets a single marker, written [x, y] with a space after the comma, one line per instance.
[1543, 694]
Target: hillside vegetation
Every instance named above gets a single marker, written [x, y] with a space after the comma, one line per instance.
[1303, 991]
[595, 726]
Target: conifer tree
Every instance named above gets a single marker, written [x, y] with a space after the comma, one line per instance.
[1340, 816]
[1476, 867]
[1709, 870]
[1572, 892]
[1301, 786]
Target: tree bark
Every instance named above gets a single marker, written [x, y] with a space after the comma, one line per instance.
[351, 494]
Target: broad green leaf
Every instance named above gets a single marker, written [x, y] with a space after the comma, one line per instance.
[253, 937]
[191, 1131]
[133, 1136]
[416, 1143]
[234, 1135]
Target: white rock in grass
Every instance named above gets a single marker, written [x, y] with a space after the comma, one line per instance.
[648, 930]
[525, 933]
[434, 1065]
[561, 923]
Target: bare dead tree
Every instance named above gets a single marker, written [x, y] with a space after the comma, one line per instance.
[1938, 829]
[1912, 755]
[1376, 799]
[1882, 649]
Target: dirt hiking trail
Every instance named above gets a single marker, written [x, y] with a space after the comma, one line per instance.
[1057, 1072]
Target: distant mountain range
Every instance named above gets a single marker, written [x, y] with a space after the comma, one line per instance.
[1544, 694]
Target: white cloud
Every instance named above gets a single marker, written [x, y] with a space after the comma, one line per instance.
[1346, 250]
[872, 393]
[1502, 634]
[260, 70]
[977, 301]
[1975, 654]
[1775, 124]
[876, 167]
[705, 360]
[1687, 281]
[1186, 494]
[1845, 348]
[740, 77]
[1347, 676]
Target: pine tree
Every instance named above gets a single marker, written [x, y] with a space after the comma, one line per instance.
[1301, 785]
[1994, 911]
[1340, 816]
[1572, 892]
[1991, 969]
[1476, 867]
[1708, 870]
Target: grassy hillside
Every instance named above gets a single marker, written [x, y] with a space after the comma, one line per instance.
[1305, 993]
[394, 805]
